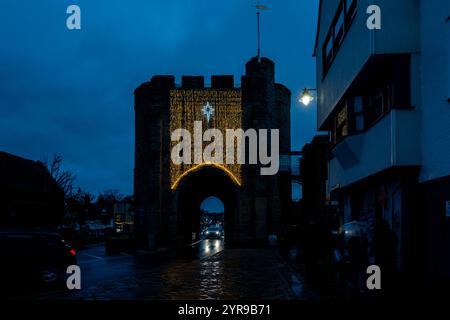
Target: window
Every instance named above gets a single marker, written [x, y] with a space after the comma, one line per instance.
[328, 51]
[339, 27]
[378, 105]
[358, 113]
[385, 86]
[341, 124]
[297, 191]
[350, 11]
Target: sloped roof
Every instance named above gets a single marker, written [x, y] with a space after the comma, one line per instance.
[23, 174]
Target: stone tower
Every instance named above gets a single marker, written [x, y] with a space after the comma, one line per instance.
[168, 197]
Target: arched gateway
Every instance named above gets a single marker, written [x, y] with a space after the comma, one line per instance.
[168, 194]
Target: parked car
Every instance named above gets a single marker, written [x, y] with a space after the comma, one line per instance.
[355, 229]
[30, 257]
[213, 233]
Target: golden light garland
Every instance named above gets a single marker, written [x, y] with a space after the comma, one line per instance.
[206, 164]
[186, 107]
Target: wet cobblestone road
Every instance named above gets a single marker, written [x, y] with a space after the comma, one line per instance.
[230, 274]
[204, 271]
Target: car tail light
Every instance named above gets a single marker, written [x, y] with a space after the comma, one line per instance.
[72, 252]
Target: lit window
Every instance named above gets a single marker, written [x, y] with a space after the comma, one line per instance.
[341, 124]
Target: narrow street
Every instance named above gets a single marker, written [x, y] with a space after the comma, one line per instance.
[205, 270]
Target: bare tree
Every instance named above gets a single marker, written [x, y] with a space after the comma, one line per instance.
[64, 178]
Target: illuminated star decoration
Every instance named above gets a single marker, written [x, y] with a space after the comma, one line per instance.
[208, 111]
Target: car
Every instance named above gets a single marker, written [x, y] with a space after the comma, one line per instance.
[356, 229]
[213, 233]
[34, 257]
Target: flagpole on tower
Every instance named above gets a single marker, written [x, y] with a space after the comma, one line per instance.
[258, 26]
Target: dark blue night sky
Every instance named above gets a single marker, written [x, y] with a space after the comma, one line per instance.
[71, 92]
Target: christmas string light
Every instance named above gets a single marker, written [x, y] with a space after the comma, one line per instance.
[216, 108]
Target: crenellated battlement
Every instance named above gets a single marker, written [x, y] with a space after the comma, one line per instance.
[193, 82]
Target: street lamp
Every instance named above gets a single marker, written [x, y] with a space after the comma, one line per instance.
[306, 98]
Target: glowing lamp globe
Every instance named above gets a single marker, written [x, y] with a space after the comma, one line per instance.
[306, 97]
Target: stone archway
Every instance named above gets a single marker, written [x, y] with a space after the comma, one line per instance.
[193, 189]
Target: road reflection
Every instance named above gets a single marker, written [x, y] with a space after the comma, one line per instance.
[203, 270]
[209, 247]
[197, 251]
[112, 276]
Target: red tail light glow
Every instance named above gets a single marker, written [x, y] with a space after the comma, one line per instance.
[72, 252]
